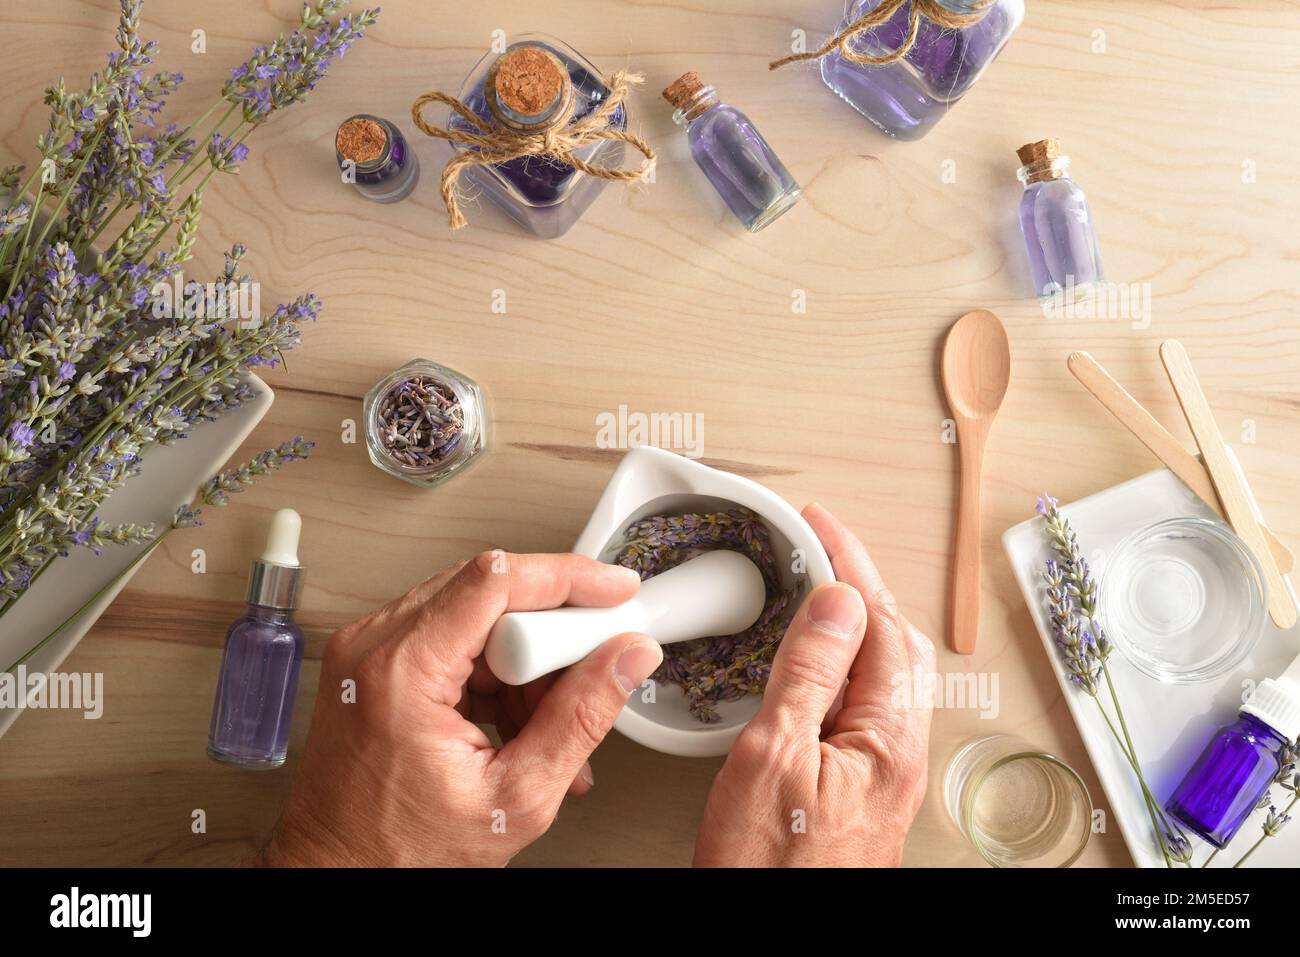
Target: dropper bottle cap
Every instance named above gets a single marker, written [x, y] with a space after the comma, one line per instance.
[1276, 702]
[276, 575]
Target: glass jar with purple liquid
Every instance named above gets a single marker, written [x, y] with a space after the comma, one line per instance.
[907, 97]
[374, 156]
[545, 196]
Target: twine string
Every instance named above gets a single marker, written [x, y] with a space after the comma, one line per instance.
[932, 10]
[560, 142]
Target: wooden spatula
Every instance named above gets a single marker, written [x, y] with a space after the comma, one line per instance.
[1166, 447]
[1232, 493]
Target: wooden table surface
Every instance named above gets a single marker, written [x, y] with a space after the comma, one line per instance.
[1179, 117]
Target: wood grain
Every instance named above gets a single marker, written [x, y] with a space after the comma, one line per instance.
[1182, 131]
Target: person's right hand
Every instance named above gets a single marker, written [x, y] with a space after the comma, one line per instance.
[399, 773]
[828, 773]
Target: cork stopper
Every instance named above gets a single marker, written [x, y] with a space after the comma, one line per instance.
[361, 140]
[1041, 152]
[1041, 162]
[683, 90]
[529, 81]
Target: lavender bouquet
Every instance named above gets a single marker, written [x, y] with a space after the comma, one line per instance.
[91, 375]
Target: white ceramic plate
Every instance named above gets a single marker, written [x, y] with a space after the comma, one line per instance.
[1170, 724]
[169, 477]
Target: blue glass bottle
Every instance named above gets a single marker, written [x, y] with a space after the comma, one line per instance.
[907, 97]
[253, 708]
[544, 196]
[739, 163]
[1057, 225]
[1230, 777]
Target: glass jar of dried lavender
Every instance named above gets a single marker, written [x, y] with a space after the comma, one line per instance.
[425, 423]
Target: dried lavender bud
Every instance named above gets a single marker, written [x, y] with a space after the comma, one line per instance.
[724, 668]
[419, 421]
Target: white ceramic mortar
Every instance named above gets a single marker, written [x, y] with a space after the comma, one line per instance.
[650, 481]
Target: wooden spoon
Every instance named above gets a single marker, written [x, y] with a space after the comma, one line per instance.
[976, 372]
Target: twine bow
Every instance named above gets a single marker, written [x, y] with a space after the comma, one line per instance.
[932, 10]
[560, 142]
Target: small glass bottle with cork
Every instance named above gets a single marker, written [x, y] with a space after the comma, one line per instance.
[738, 161]
[1056, 222]
[374, 156]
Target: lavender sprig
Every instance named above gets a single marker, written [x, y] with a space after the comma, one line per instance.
[1288, 779]
[1073, 613]
[212, 492]
[724, 668]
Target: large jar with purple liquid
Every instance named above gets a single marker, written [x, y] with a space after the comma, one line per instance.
[907, 97]
[543, 195]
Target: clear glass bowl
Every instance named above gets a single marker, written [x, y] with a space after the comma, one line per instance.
[1185, 600]
[469, 446]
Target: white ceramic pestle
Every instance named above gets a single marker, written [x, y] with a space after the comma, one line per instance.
[717, 593]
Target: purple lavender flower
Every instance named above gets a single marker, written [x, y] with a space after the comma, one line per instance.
[729, 667]
[22, 434]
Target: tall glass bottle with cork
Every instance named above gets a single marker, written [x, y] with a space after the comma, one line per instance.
[735, 157]
[1056, 222]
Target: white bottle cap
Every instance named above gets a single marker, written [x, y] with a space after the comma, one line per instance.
[282, 539]
[1276, 702]
[276, 576]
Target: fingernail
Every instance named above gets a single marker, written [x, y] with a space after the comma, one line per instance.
[628, 573]
[587, 776]
[836, 609]
[635, 665]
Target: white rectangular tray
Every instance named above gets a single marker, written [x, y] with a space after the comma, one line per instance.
[169, 475]
[1170, 724]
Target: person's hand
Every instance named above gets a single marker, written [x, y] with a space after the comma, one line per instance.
[395, 772]
[828, 773]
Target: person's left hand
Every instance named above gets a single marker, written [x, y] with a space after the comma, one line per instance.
[403, 776]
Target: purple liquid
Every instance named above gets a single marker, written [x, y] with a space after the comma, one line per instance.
[1228, 779]
[905, 99]
[545, 196]
[741, 166]
[1059, 236]
[394, 179]
[255, 691]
